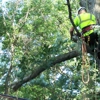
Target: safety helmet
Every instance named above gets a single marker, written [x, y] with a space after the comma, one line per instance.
[81, 8]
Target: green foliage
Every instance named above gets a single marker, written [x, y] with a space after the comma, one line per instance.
[32, 32]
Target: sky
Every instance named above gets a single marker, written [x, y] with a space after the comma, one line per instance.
[3, 1]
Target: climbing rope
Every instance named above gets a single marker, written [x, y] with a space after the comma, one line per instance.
[85, 59]
[85, 64]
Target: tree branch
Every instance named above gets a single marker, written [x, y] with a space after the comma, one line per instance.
[50, 63]
[70, 17]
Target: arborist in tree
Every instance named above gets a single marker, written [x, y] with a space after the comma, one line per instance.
[85, 22]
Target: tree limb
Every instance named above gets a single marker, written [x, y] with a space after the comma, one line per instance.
[50, 63]
[70, 17]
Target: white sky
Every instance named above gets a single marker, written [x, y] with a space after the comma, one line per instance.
[3, 1]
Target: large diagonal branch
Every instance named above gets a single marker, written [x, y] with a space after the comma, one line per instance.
[47, 64]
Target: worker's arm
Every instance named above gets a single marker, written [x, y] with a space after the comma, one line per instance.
[71, 32]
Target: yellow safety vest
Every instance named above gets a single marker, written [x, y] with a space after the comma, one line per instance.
[83, 20]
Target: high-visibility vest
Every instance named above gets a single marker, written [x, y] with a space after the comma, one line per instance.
[85, 19]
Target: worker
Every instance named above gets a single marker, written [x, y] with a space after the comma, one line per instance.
[85, 21]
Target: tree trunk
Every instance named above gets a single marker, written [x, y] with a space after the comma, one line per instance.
[93, 6]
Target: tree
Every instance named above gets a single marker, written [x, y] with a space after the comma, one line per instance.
[35, 44]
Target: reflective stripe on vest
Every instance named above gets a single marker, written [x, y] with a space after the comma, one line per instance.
[81, 21]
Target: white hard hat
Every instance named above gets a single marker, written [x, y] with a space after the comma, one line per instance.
[81, 8]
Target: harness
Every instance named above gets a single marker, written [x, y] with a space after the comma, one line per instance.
[86, 29]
